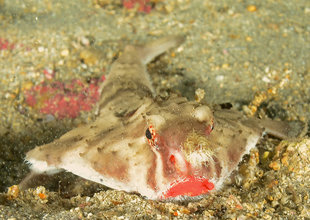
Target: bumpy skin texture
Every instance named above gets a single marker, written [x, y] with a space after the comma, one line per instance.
[162, 149]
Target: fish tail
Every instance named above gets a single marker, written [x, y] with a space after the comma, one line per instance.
[128, 75]
[157, 47]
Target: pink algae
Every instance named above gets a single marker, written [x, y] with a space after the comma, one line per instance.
[64, 100]
[6, 45]
[143, 5]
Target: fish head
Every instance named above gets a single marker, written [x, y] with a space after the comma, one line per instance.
[177, 132]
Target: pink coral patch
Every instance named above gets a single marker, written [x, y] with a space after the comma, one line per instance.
[142, 4]
[6, 45]
[64, 100]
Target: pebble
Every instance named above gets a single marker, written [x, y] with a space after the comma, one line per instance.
[89, 57]
[40, 49]
[199, 94]
[275, 165]
[219, 78]
[266, 79]
[64, 52]
[252, 8]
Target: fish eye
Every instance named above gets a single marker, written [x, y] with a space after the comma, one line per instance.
[148, 134]
[151, 137]
[209, 128]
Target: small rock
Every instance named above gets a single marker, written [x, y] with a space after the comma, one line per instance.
[64, 53]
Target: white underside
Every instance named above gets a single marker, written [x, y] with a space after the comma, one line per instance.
[39, 166]
[251, 143]
[80, 167]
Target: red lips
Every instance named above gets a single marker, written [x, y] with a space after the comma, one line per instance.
[189, 186]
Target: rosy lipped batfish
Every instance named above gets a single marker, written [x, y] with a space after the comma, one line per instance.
[162, 148]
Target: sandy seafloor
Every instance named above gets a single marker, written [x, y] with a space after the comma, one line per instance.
[234, 50]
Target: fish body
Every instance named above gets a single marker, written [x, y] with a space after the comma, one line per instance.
[161, 148]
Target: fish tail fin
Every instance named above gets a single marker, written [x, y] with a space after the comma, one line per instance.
[157, 47]
[128, 73]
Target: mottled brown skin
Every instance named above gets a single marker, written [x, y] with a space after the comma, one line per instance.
[114, 149]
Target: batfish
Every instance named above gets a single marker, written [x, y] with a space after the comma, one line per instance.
[162, 148]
